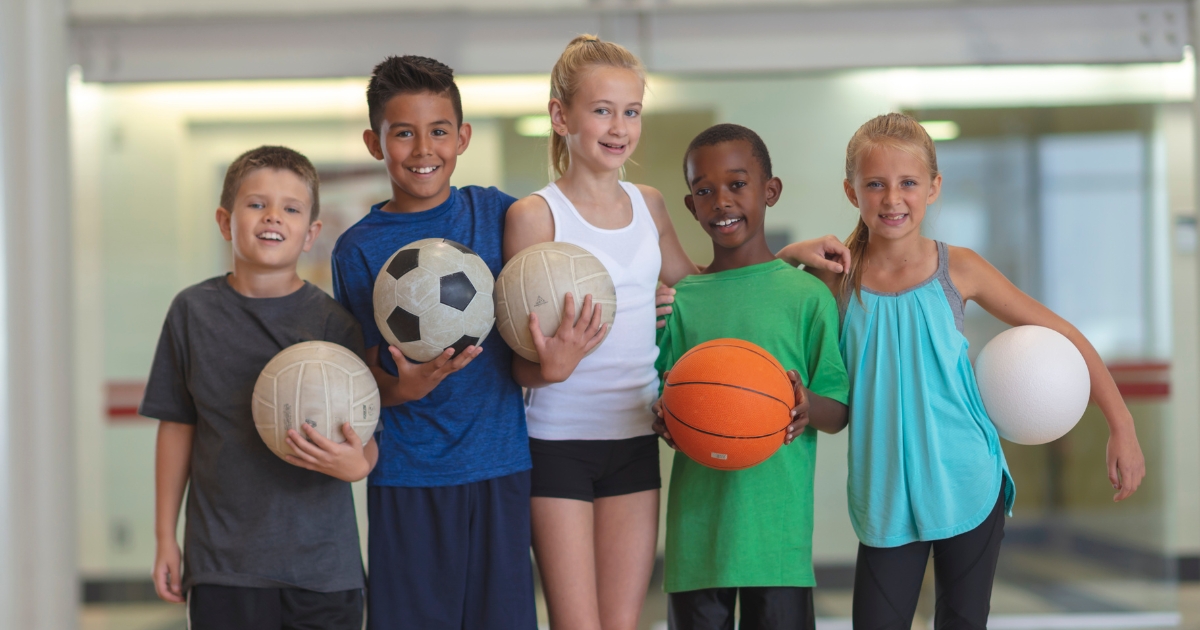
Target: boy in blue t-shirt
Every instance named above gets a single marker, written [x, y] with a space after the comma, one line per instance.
[448, 502]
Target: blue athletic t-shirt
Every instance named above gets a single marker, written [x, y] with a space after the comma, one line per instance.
[471, 427]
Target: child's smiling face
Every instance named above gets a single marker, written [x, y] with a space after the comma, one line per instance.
[604, 122]
[891, 189]
[730, 192]
[419, 140]
[268, 224]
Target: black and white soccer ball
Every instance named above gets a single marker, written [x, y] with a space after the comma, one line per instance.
[431, 295]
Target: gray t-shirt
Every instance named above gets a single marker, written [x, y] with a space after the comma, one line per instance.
[252, 519]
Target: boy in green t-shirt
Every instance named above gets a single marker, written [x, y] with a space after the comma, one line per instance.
[748, 533]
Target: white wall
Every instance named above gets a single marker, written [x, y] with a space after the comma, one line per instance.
[38, 590]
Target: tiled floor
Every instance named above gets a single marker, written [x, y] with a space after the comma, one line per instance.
[833, 609]
[1034, 589]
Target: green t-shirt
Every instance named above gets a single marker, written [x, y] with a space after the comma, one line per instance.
[751, 527]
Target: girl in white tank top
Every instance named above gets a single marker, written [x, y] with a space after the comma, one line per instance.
[595, 475]
[609, 394]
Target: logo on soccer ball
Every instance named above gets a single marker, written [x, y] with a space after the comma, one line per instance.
[431, 295]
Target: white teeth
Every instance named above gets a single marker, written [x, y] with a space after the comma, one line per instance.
[424, 170]
[271, 236]
[727, 222]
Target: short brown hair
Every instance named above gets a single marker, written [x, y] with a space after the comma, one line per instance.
[278, 158]
[410, 74]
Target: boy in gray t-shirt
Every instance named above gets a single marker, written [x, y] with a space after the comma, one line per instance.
[267, 542]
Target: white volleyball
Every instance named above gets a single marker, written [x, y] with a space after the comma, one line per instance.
[537, 280]
[317, 383]
[1034, 384]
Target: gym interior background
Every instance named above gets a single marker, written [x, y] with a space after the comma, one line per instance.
[1065, 132]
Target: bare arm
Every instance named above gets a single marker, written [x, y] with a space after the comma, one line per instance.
[528, 222]
[172, 463]
[825, 253]
[827, 415]
[675, 262]
[978, 280]
[824, 414]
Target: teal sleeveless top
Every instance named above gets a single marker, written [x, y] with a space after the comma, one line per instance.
[925, 459]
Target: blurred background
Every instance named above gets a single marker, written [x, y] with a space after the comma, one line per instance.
[1065, 133]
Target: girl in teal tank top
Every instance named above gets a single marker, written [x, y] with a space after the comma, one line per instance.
[926, 468]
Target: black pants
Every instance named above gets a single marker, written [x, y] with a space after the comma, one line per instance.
[887, 581]
[763, 608]
[212, 607]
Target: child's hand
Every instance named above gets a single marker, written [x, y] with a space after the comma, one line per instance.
[827, 253]
[167, 576]
[560, 354]
[416, 380]
[344, 461]
[664, 297]
[800, 411]
[1126, 465]
[660, 426]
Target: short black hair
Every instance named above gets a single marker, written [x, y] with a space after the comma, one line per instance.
[409, 74]
[729, 132]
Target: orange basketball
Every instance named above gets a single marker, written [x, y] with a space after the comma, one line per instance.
[727, 404]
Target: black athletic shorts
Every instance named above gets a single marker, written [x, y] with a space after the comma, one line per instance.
[762, 608]
[591, 469]
[213, 607]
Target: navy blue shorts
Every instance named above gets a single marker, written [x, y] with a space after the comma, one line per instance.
[450, 557]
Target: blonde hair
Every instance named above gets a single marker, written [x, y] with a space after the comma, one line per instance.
[581, 55]
[899, 131]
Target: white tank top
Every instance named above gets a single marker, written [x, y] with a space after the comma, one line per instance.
[608, 397]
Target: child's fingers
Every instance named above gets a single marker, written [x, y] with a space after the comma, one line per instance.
[303, 450]
[837, 254]
[595, 339]
[594, 319]
[463, 359]
[318, 441]
[352, 439]
[664, 295]
[663, 311]
[439, 362]
[1129, 481]
[175, 581]
[166, 583]
[568, 314]
[535, 329]
[587, 314]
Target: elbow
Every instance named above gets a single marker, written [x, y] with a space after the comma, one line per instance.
[837, 419]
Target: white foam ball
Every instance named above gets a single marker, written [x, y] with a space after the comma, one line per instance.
[1034, 384]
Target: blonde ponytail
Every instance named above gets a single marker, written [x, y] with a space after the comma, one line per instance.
[893, 130]
[580, 55]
